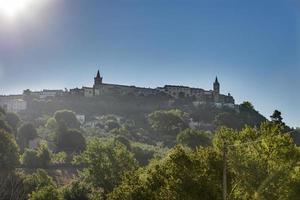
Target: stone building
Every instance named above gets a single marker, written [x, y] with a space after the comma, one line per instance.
[198, 95]
[100, 88]
[13, 103]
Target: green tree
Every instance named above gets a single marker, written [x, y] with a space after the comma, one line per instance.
[204, 113]
[193, 138]
[26, 133]
[106, 162]
[246, 106]
[13, 121]
[11, 185]
[51, 124]
[2, 111]
[257, 158]
[40, 157]
[76, 190]
[181, 174]
[168, 122]
[276, 116]
[4, 125]
[9, 152]
[46, 193]
[68, 117]
[70, 140]
[230, 120]
[111, 124]
[36, 181]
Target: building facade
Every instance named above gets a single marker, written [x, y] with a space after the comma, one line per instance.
[196, 94]
[13, 103]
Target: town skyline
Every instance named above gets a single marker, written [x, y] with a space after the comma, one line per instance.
[209, 88]
[253, 47]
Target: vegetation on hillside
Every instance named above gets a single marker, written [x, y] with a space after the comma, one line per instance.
[133, 148]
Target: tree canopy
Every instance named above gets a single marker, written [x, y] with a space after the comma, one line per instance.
[181, 174]
[68, 117]
[70, 140]
[168, 122]
[9, 152]
[194, 138]
[106, 161]
[26, 133]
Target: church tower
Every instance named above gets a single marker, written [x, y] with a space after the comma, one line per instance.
[216, 86]
[97, 84]
[216, 92]
[97, 80]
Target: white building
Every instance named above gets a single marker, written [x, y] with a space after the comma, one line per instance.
[50, 93]
[13, 103]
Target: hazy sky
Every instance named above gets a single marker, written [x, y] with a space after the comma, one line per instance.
[252, 45]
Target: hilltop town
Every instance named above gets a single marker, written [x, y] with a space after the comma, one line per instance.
[18, 103]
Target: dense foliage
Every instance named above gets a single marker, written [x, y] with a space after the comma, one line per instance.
[68, 117]
[106, 162]
[9, 157]
[181, 174]
[262, 164]
[168, 122]
[26, 133]
[194, 138]
[152, 149]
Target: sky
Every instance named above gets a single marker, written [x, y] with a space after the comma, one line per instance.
[253, 46]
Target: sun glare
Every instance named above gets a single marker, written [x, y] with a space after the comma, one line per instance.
[12, 8]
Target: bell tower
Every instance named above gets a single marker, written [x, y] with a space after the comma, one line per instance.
[216, 86]
[97, 80]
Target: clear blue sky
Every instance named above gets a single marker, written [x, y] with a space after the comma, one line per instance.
[252, 45]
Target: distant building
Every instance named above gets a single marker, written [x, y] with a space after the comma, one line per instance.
[17, 103]
[199, 95]
[77, 92]
[100, 88]
[42, 95]
[45, 94]
[196, 94]
[13, 103]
